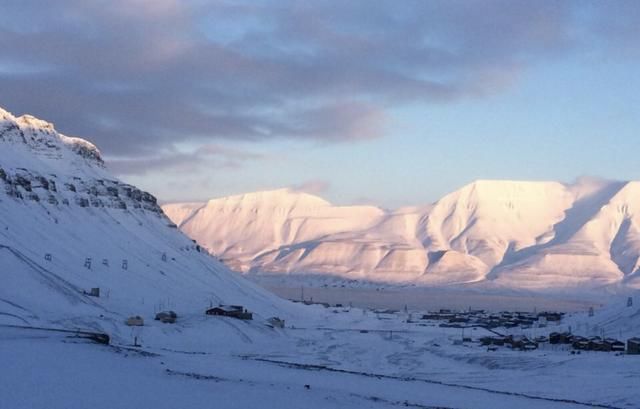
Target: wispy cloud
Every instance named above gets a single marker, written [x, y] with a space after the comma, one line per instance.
[205, 158]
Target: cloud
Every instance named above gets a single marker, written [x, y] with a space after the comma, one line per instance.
[616, 27]
[139, 77]
[209, 157]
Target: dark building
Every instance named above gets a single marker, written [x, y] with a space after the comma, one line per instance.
[233, 311]
[633, 346]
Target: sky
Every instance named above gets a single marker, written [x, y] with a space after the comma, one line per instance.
[379, 102]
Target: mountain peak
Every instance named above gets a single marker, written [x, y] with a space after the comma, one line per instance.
[4, 113]
[502, 184]
[35, 143]
[501, 193]
[31, 121]
[285, 197]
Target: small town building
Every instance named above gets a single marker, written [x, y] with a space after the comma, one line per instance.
[560, 338]
[596, 344]
[541, 339]
[233, 311]
[135, 321]
[167, 317]
[633, 346]
[580, 343]
[94, 292]
[275, 322]
[551, 316]
[614, 345]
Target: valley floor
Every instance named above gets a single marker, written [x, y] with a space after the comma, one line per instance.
[334, 359]
[371, 295]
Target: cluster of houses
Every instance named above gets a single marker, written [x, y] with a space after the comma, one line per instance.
[232, 311]
[490, 321]
[578, 343]
[166, 317]
[170, 317]
[587, 344]
[480, 318]
[521, 343]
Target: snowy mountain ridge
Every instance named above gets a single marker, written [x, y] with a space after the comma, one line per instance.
[67, 226]
[31, 136]
[521, 235]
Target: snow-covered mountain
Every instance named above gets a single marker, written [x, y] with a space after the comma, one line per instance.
[523, 235]
[67, 225]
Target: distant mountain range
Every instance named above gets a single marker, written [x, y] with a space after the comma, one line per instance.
[508, 234]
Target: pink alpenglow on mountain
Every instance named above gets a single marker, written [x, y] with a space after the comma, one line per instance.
[520, 235]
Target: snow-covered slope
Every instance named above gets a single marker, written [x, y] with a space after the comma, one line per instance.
[619, 317]
[67, 225]
[253, 226]
[525, 235]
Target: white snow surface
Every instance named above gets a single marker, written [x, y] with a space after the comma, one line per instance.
[541, 236]
[347, 358]
[59, 206]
